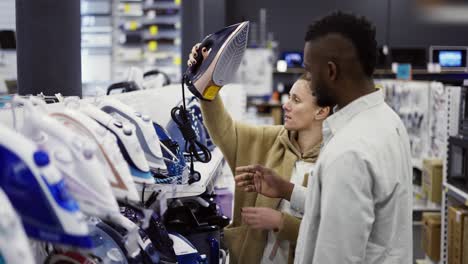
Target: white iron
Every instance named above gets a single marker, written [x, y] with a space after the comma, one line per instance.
[127, 141]
[144, 130]
[75, 156]
[14, 246]
[116, 169]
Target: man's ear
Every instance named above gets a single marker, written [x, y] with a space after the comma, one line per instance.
[332, 70]
[322, 113]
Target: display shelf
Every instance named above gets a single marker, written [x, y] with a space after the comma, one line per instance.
[446, 77]
[174, 20]
[103, 29]
[425, 261]
[96, 42]
[96, 24]
[96, 8]
[161, 5]
[157, 34]
[209, 171]
[167, 34]
[428, 207]
[290, 71]
[126, 9]
[456, 193]
[452, 119]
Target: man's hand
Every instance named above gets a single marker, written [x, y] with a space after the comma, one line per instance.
[262, 218]
[256, 178]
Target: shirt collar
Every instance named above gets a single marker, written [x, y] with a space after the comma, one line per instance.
[341, 117]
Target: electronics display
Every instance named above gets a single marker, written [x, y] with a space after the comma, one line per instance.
[415, 56]
[463, 118]
[449, 58]
[294, 59]
[7, 40]
[458, 162]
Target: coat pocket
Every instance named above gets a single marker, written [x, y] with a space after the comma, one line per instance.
[234, 239]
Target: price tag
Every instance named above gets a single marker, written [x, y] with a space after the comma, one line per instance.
[154, 30]
[153, 45]
[133, 25]
[126, 8]
[151, 14]
[177, 60]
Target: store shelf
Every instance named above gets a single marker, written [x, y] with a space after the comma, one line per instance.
[96, 8]
[208, 172]
[103, 29]
[419, 71]
[447, 77]
[163, 20]
[158, 31]
[290, 71]
[161, 5]
[96, 41]
[425, 261]
[456, 193]
[429, 207]
[167, 34]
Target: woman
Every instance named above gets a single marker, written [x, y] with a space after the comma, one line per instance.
[265, 230]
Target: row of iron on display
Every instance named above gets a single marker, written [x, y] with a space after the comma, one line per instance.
[72, 187]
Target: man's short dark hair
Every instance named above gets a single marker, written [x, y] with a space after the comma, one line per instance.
[358, 30]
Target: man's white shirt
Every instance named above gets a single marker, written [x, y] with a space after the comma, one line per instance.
[358, 204]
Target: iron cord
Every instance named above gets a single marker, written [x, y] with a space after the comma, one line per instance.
[180, 116]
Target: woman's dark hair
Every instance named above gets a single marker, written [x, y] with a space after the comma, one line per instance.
[306, 77]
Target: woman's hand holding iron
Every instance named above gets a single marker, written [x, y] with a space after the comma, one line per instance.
[194, 53]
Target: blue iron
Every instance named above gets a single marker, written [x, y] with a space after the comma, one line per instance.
[195, 108]
[173, 156]
[142, 252]
[37, 191]
[197, 126]
[186, 253]
[109, 244]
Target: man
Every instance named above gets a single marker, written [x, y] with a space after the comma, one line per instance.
[358, 204]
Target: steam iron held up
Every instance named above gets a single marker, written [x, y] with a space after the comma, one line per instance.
[225, 51]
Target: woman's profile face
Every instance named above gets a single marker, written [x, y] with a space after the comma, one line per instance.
[301, 107]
